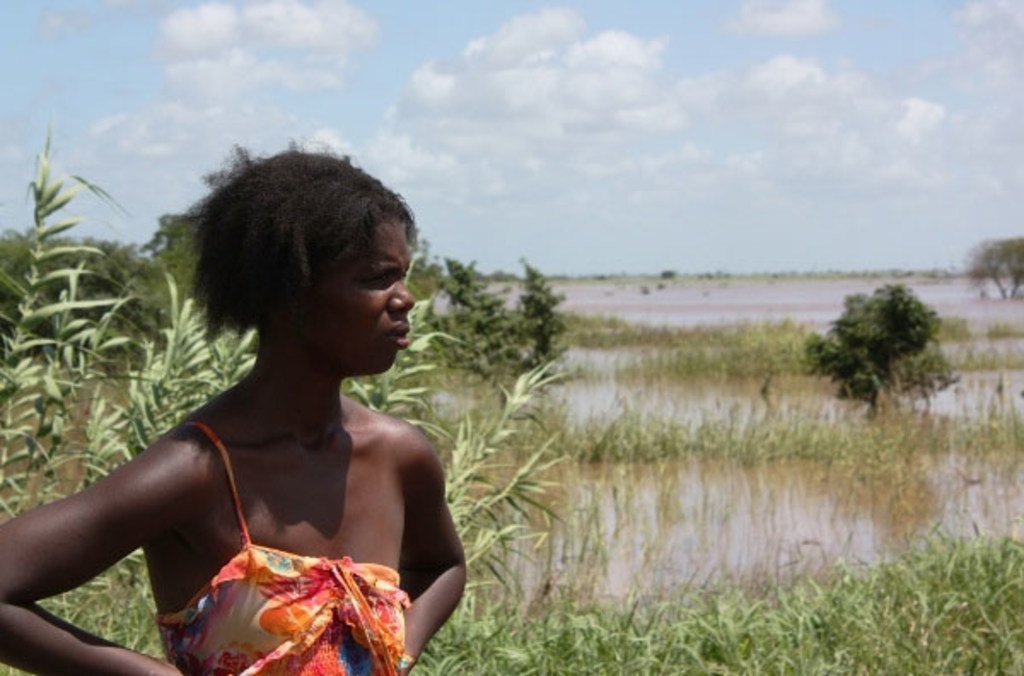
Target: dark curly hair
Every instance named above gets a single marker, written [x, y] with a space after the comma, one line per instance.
[269, 225]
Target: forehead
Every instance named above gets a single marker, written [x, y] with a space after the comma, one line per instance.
[390, 236]
[387, 245]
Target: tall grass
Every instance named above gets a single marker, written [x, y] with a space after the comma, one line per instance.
[949, 607]
[754, 436]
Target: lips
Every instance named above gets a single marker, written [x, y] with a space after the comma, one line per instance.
[400, 334]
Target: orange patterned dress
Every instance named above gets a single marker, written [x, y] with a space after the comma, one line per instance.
[273, 612]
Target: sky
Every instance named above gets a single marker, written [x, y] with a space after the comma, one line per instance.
[585, 137]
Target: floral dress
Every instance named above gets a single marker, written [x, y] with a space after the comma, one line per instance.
[269, 611]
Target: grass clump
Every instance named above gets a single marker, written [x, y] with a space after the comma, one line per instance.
[954, 330]
[1003, 331]
[760, 351]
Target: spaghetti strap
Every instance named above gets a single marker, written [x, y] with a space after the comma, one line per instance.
[212, 436]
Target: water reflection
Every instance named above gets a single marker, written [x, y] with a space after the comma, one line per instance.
[648, 529]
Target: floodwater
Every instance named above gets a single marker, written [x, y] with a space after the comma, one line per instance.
[815, 302]
[650, 529]
[603, 397]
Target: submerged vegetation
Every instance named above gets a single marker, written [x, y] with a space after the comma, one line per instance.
[81, 392]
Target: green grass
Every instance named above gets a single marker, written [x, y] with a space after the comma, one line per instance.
[954, 330]
[950, 607]
[749, 350]
[759, 436]
[980, 359]
[1002, 331]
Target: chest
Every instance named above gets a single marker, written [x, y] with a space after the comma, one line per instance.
[331, 504]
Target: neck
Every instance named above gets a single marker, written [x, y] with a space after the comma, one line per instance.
[287, 393]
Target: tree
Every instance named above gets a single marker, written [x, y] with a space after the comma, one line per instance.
[493, 339]
[1001, 262]
[172, 245]
[542, 324]
[883, 343]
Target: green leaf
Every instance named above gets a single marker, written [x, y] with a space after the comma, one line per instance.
[67, 306]
[11, 284]
[77, 250]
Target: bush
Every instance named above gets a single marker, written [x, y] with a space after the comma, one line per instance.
[883, 343]
[492, 339]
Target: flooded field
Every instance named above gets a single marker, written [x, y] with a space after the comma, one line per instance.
[648, 529]
[810, 301]
[652, 530]
[604, 396]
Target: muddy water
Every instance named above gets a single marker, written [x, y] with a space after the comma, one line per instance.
[810, 301]
[656, 529]
[630, 529]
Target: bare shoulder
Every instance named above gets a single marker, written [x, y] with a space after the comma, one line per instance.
[184, 457]
[179, 473]
[398, 439]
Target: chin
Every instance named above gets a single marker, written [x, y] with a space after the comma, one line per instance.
[375, 367]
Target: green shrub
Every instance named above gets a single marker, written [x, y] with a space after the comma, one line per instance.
[492, 339]
[883, 343]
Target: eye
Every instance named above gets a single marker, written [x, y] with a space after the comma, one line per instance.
[384, 278]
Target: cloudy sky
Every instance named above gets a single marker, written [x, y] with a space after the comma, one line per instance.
[603, 136]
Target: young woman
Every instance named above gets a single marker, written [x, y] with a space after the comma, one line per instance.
[287, 529]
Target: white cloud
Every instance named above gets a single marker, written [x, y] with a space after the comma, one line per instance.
[540, 86]
[326, 139]
[781, 76]
[218, 50]
[993, 33]
[616, 49]
[237, 71]
[55, 24]
[785, 18]
[207, 29]
[402, 161]
[527, 39]
[920, 118]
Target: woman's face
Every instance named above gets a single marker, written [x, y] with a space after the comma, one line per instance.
[355, 318]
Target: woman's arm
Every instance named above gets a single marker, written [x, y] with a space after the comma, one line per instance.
[61, 545]
[433, 566]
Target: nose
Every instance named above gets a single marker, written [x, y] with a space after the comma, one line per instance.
[402, 299]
